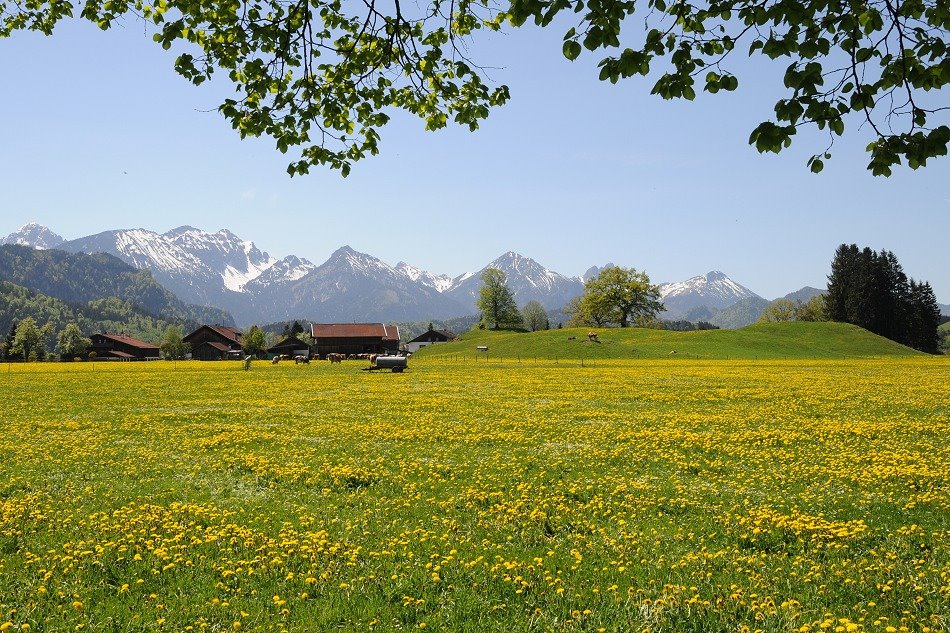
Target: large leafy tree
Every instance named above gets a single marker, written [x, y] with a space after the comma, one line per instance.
[70, 342]
[621, 295]
[324, 76]
[30, 339]
[496, 301]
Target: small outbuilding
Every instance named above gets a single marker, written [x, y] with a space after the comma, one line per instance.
[431, 337]
[215, 342]
[354, 338]
[290, 346]
[122, 347]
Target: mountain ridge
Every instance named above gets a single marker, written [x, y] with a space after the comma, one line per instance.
[223, 270]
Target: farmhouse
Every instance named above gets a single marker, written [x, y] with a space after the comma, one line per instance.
[354, 338]
[290, 346]
[215, 342]
[432, 337]
[121, 347]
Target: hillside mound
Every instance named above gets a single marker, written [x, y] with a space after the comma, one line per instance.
[759, 341]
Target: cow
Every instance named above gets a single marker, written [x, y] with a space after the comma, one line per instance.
[335, 358]
[301, 359]
[592, 336]
[275, 360]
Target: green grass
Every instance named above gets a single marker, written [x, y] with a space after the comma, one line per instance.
[760, 341]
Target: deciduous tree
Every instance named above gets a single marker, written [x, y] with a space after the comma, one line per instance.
[173, 346]
[322, 77]
[70, 342]
[621, 296]
[779, 311]
[255, 343]
[496, 301]
[535, 317]
[30, 339]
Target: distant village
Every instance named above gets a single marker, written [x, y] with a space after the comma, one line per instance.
[219, 342]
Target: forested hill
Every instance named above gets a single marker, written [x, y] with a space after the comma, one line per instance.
[108, 314]
[77, 278]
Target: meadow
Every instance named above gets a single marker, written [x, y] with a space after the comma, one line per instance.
[624, 495]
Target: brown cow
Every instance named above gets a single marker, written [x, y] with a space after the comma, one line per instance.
[335, 358]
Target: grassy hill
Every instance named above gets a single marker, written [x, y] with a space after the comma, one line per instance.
[771, 340]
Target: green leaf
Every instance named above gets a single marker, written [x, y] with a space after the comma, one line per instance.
[572, 50]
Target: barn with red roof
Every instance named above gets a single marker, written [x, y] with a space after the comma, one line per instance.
[354, 338]
[122, 347]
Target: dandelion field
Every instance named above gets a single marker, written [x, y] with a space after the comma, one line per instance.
[625, 496]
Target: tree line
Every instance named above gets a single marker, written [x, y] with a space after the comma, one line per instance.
[617, 296]
[870, 289]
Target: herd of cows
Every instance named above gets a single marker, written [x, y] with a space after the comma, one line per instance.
[395, 363]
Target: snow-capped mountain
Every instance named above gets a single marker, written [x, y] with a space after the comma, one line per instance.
[713, 290]
[527, 279]
[172, 266]
[34, 235]
[355, 286]
[237, 261]
[439, 283]
[222, 270]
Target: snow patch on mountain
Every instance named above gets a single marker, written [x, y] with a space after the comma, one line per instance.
[146, 249]
[237, 261]
[284, 271]
[440, 283]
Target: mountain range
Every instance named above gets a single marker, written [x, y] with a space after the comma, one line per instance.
[224, 271]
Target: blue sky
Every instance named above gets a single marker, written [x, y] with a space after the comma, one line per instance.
[100, 133]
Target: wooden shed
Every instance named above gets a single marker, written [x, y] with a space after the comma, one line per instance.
[290, 346]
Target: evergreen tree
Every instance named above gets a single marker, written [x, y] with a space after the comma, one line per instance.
[925, 312]
[6, 349]
[841, 281]
[871, 290]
